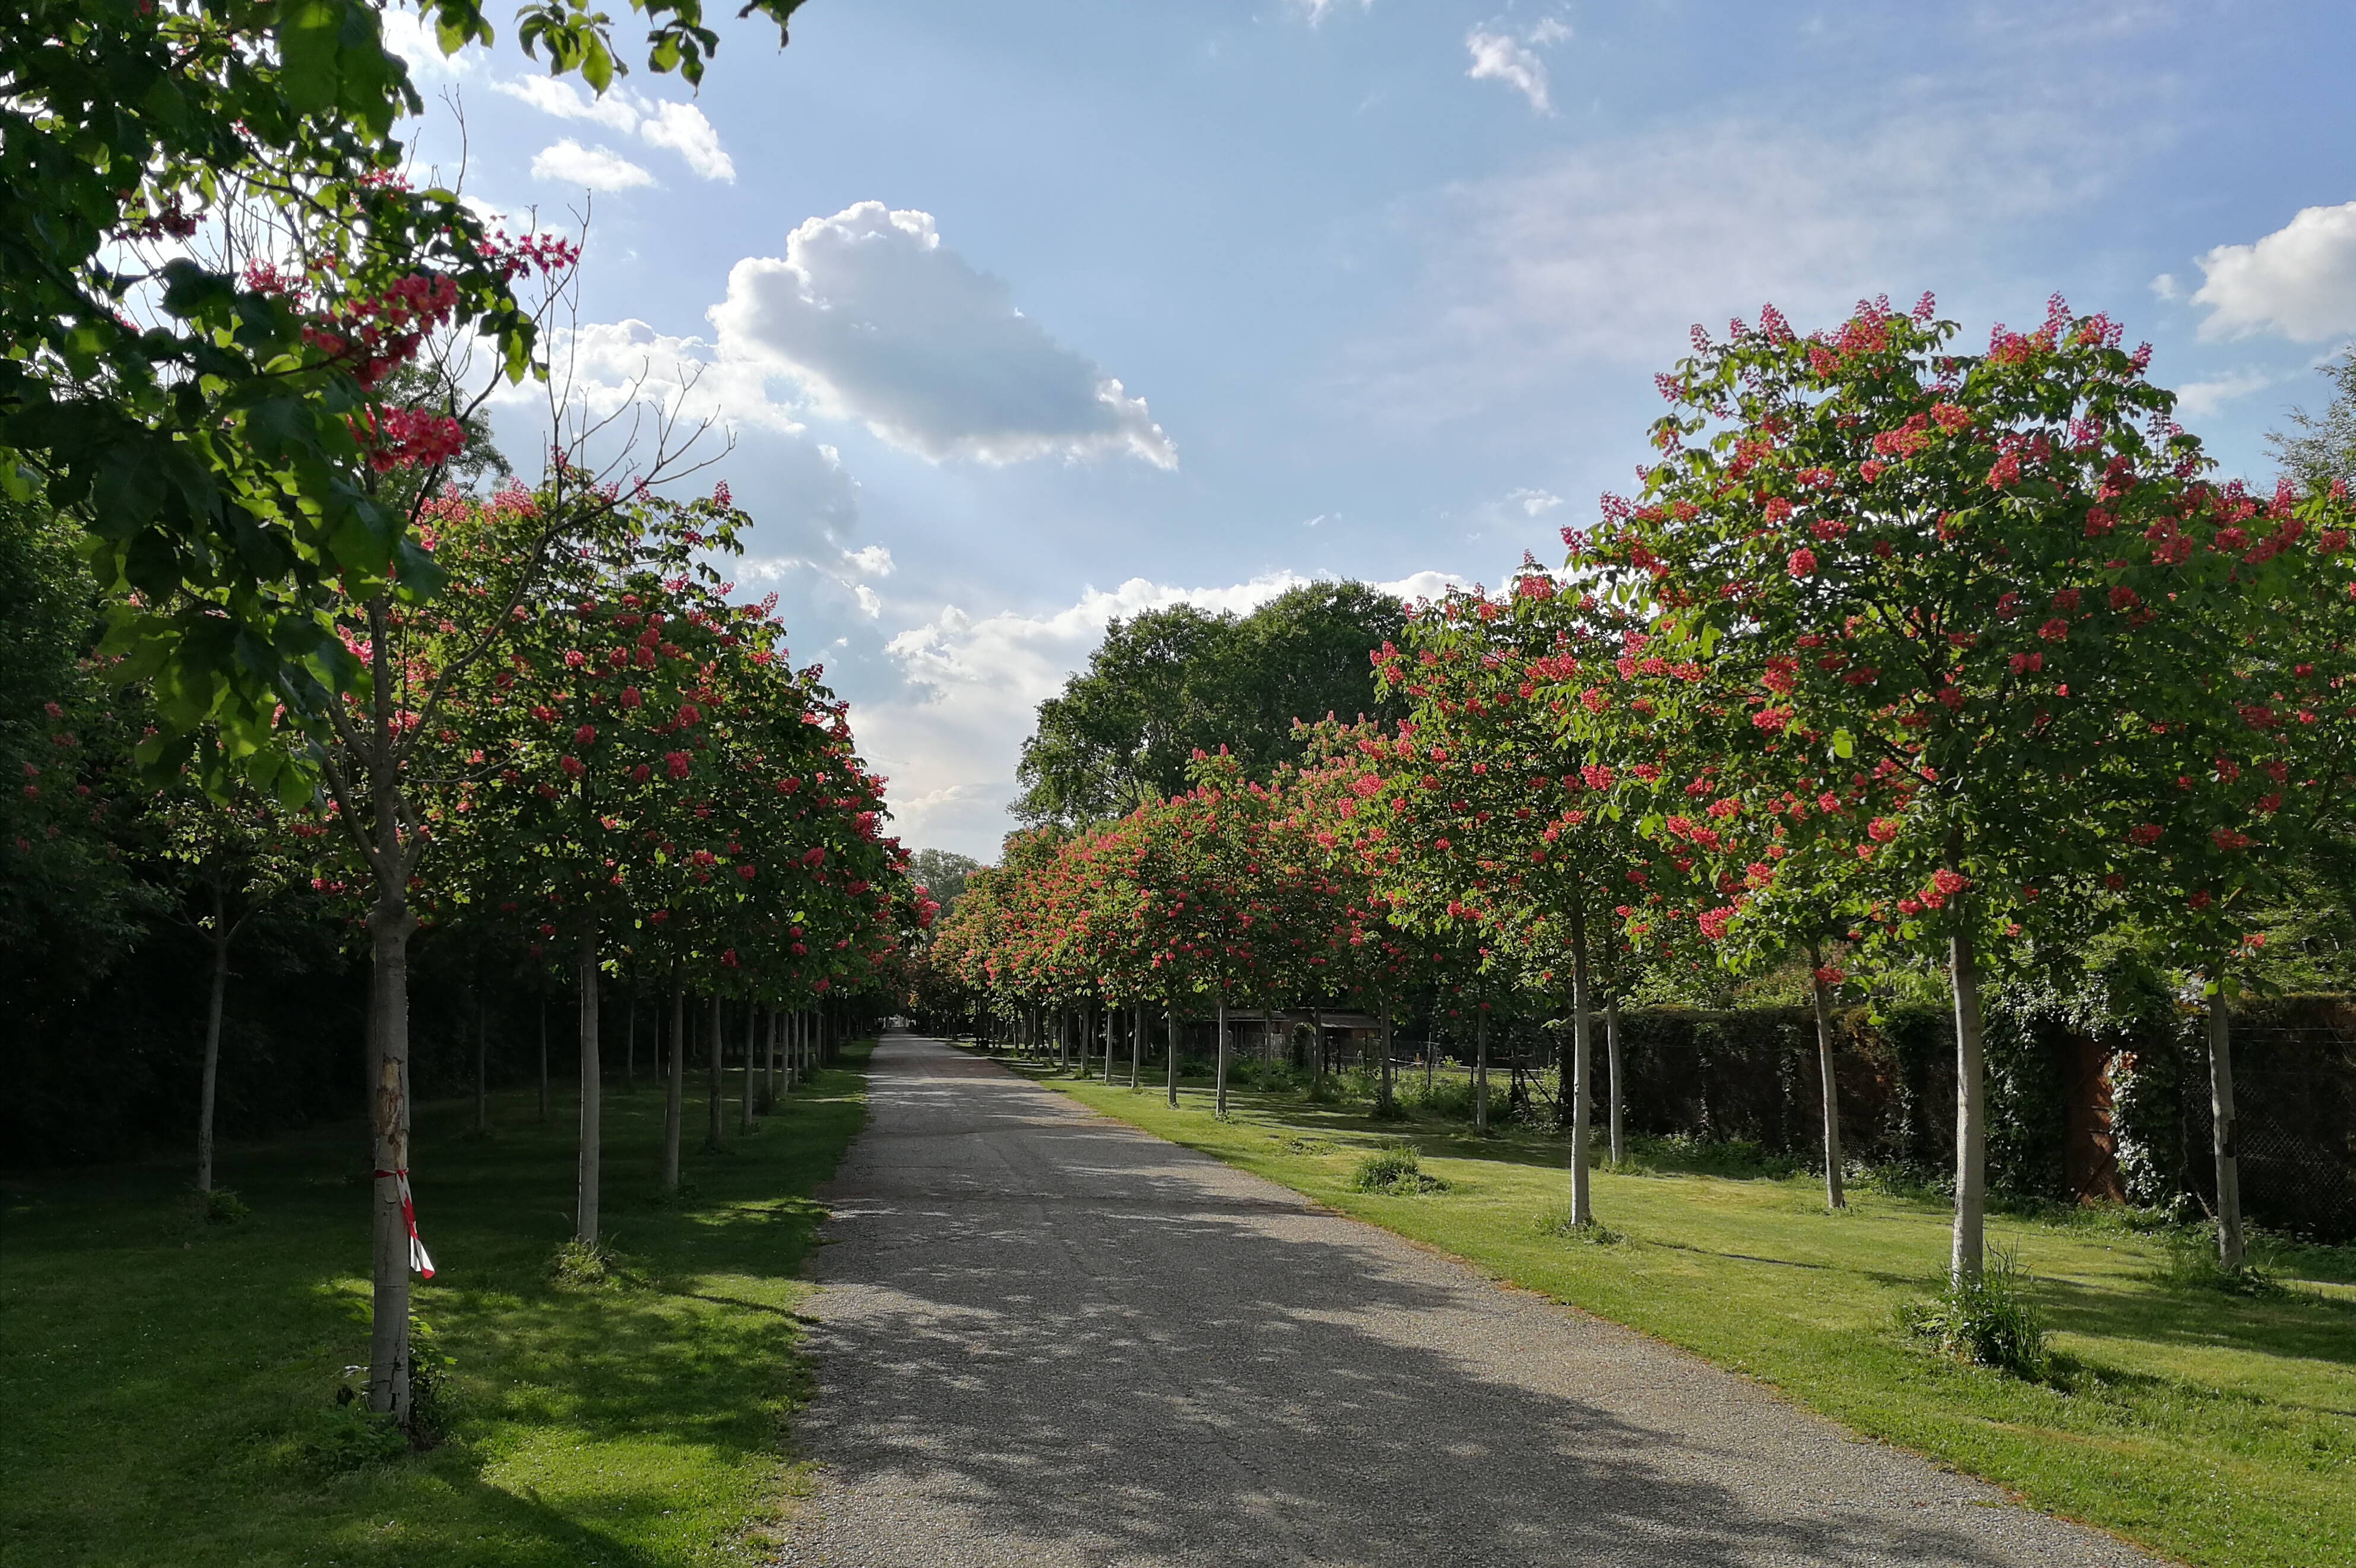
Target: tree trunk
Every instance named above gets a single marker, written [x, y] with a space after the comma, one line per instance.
[584, 1229]
[630, 1044]
[1611, 1059]
[390, 924]
[482, 1065]
[1169, 1014]
[1136, 1044]
[675, 1083]
[1834, 1197]
[752, 1034]
[204, 1095]
[2225, 1136]
[715, 1120]
[1971, 1126]
[1582, 1064]
[1386, 1055]
[1479, 1067]
[770, 1055]
[1219, 1094]
[543, 1059]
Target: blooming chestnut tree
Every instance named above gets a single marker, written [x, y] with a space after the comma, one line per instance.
[1985, 570]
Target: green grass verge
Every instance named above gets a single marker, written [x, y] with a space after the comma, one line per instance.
[166, 1385]
[2217, 1428]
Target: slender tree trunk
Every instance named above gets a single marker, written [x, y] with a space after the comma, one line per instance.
[1611, 1058]
[592, 1081]
[2224, 1135]
[1169, 1015]
[389, 927]
[1582, 1076]
[715, 1120]
[482, 1064]
[1480, 1064]
[543, 1059]
[206, 1093]
[1834, 1197]
[1136, 1044]
[1970, 1126]
[1386, 1090]
[674, 1083]
[1064, 1040]
[1219, 1096]
[751, 1033]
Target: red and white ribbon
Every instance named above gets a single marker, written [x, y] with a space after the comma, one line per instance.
[417, 1258]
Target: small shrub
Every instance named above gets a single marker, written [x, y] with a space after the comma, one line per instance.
[1389, 1110]
[2191, 1263]
[219, 1207]
[1989, 1320]
[1397, 1171]
[1903, 1179]
[1323, 1091]
[431, 1394]
[1683, 1154]
[1557, 1221]
[1448, 1099]
[585, 1265]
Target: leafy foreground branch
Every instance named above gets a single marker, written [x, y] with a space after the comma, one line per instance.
[166, 1384]
[2209, 1426]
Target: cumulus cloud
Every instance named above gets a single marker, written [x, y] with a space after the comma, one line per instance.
[877, 321]
[681, 127]
[974, 682]
[872, 561]
[2198, 399]
[1498, 56]
[599, 169]
[2299, 282]
[1533, 502]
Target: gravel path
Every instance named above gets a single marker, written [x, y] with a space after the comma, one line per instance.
[1048, 1338]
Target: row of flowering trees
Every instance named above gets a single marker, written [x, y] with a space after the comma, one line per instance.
[1902, 658]
[584, 747]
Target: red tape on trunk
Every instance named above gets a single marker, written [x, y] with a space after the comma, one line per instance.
[417, 1258]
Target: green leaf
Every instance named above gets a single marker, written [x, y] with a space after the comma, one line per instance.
[1844, 745]
[310, 33]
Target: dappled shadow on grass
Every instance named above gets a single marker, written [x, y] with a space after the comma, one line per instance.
[2290, 1324]
[161, 1378]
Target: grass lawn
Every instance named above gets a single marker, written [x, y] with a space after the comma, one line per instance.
[166, 1385]
[2218, 1429]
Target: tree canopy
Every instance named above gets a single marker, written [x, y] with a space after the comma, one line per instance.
[1169, 683]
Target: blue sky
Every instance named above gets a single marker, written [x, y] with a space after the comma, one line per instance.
[1026, 314]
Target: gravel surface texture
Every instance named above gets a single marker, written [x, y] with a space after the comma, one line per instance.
[1045, 1338]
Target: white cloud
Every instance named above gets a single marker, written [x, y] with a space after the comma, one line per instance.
[2198, 399]
[871, 603]
[570, 163]
[974, 684]
[1499, 57]
[563, 98]
[1551, 32]
[682, 128]
[878, 322]
[407, 35]
[874, 560]
[2299, 282]
[1533, 502]
[1318, 10]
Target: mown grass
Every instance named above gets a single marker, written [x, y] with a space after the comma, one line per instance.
[166, 1384]
[2216, 1427]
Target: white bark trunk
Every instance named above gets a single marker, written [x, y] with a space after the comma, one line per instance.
[674, 1084]
[1169, 1014]
[207, 1091]
[1480, 1065]
[751, 1033]
[1582, 1064]
[1611, 1057]
[1219, 1096]
[2225, 1136]
[584, 1229]
[1971, 1124]
[1834, 1196]
[389, 925]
